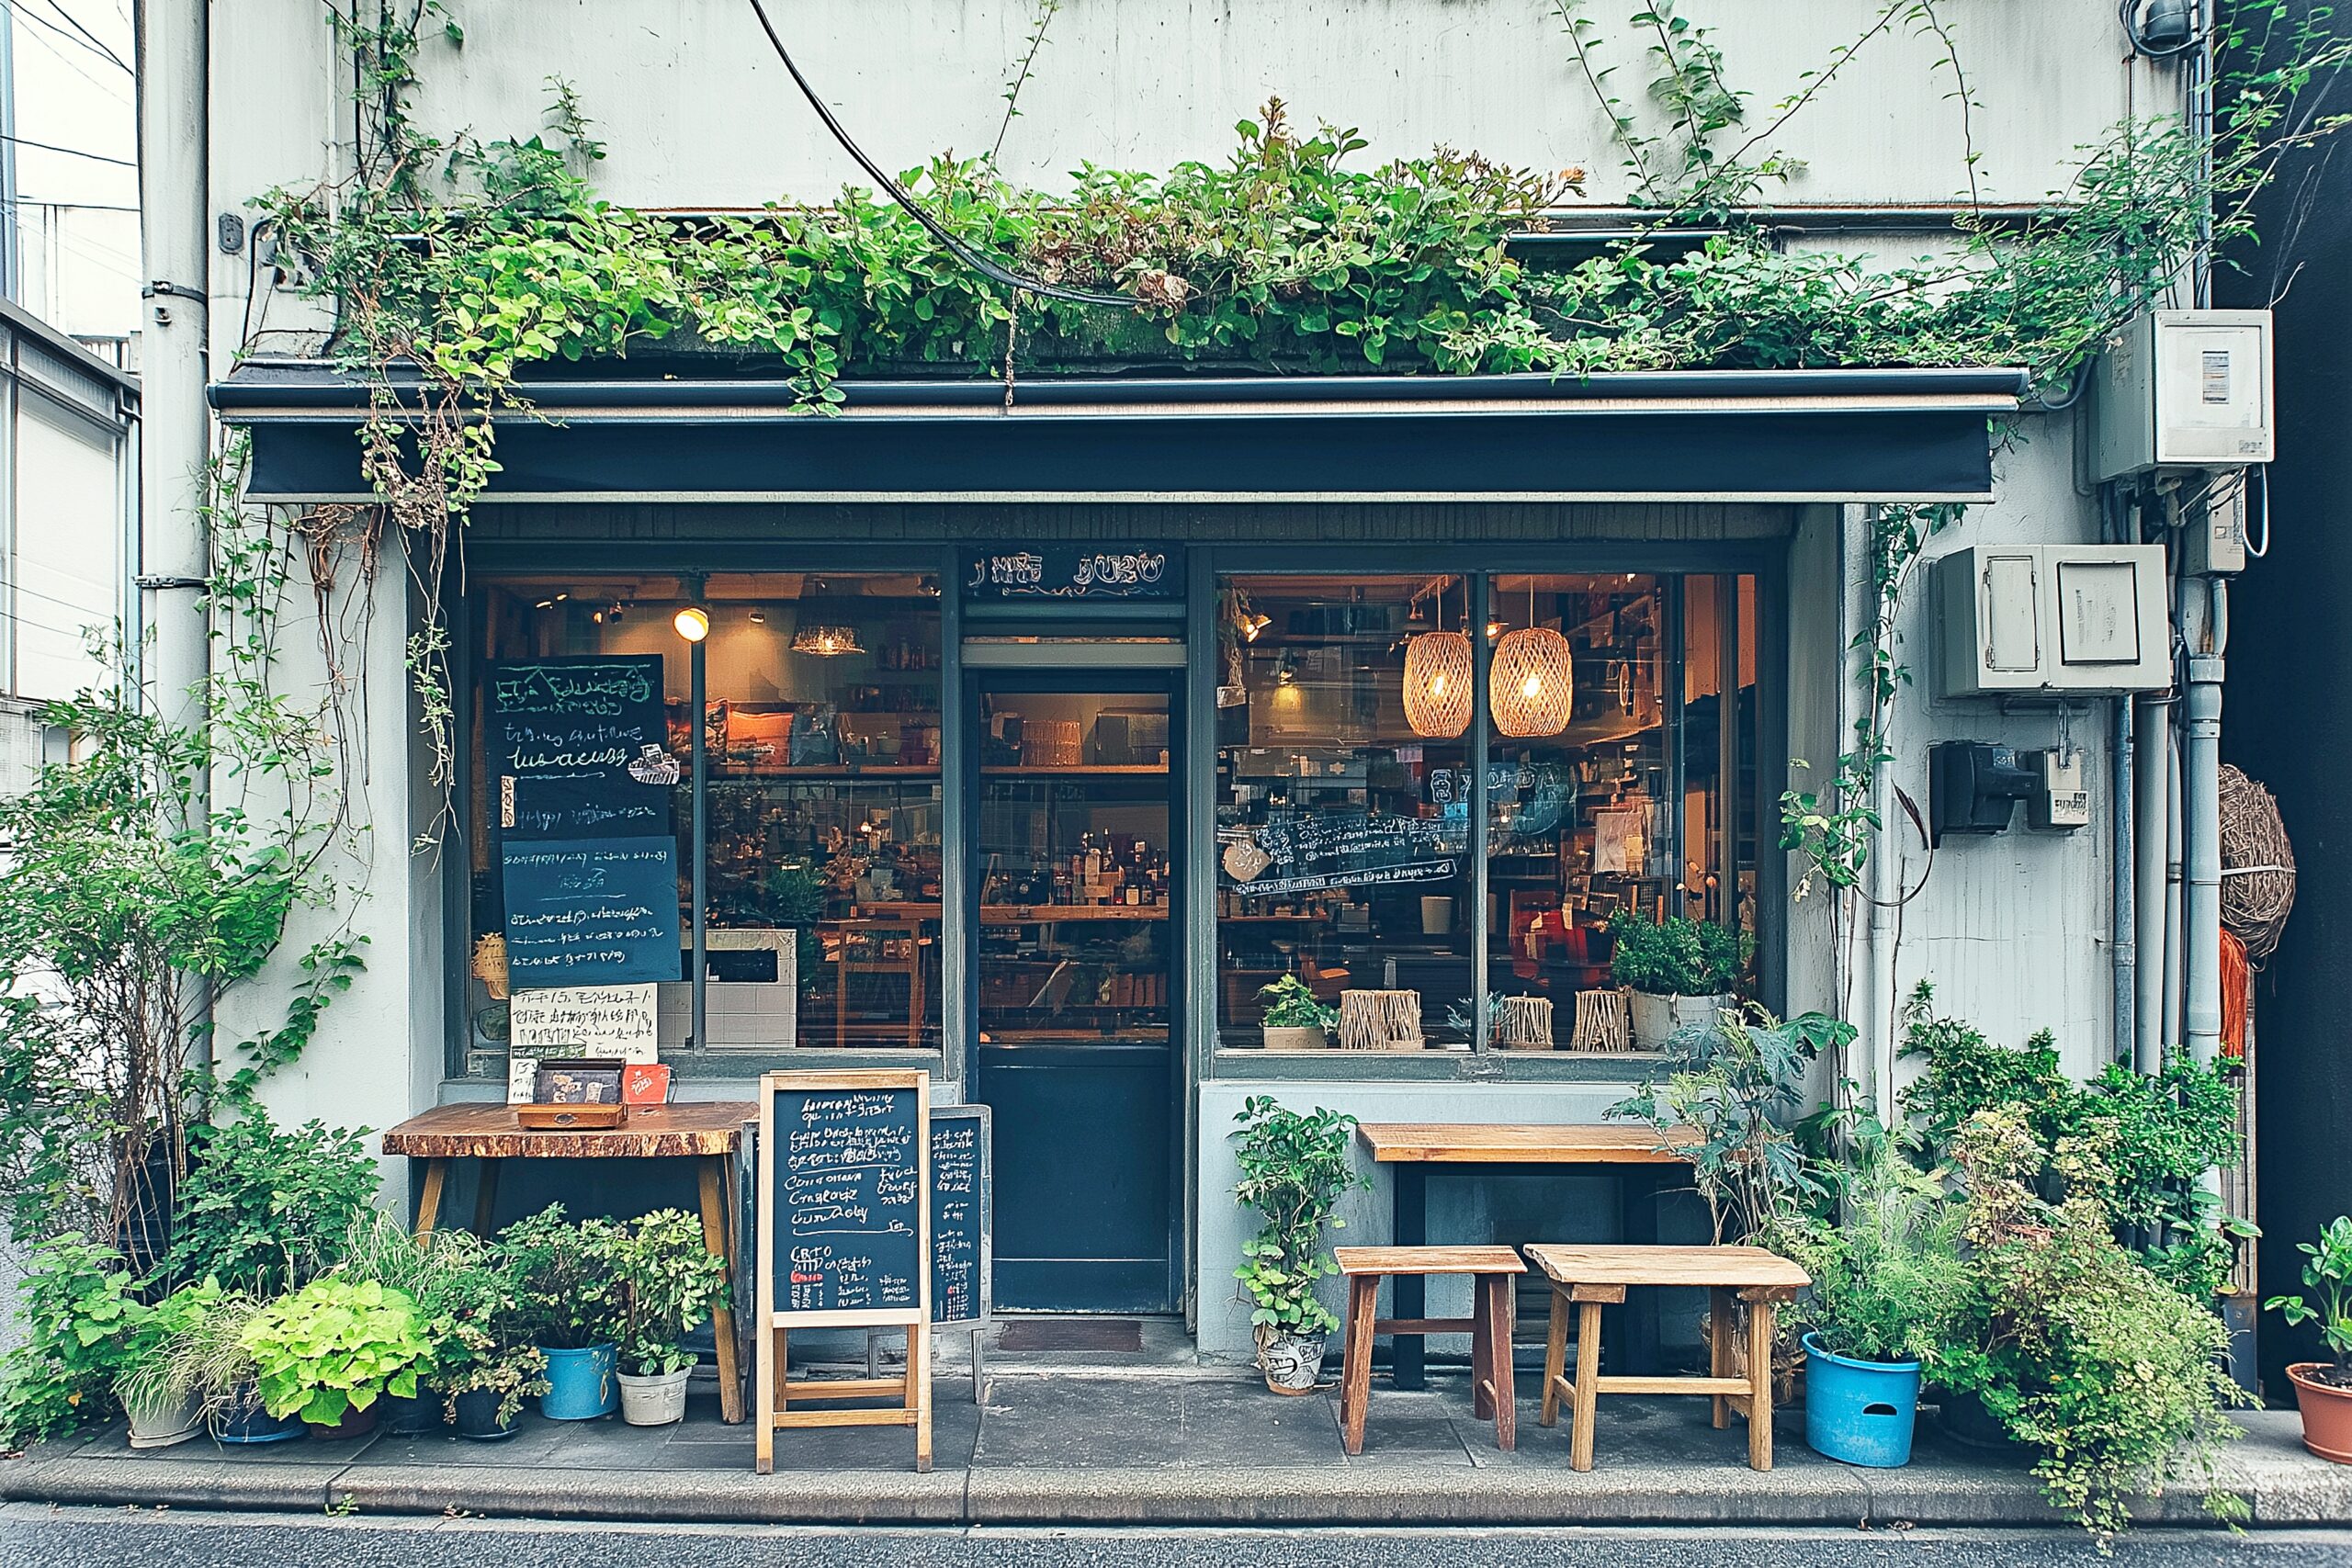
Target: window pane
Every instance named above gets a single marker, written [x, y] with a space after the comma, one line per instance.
[1719, 813]
[824, 825]
[1342, 828]
[1580, 821]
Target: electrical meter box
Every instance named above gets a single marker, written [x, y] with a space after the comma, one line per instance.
[2183, 389]
[2021, 620]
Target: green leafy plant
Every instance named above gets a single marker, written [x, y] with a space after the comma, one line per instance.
[669, 1282]
[1675, 956]
[206, 1357]
[567, 1278]
[474, 1322]
[1289, 1005]
[1723, 1105]
[2073, 1343]
[151, 1372]
[1295, 1167]
[2327, 1271]
[78, 1308]
[334, 1346]
[795, 901]
[1888, 1279]
[269, 1209]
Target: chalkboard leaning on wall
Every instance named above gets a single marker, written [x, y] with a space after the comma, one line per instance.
[844, 1228]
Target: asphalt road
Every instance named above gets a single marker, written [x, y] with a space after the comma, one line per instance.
[41, 1536]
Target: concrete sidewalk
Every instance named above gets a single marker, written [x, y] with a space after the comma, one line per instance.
[1082, 1447]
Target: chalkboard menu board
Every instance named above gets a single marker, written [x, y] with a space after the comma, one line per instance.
[579, 748]
[846, 1168]
[1075, 572]
[1308, 851]
[590, 911]
[961, 1199]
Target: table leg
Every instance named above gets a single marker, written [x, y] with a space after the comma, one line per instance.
[1482, 1350]
[428, 1196]
[1501, 1310]
[1411, 1224]
[1759, 1385]
[1355, 1374]
[485, 1197]
[1637, 1190]
[711, 1172]
[1555, 1359]
[1588, 1396]
[1720, 1314]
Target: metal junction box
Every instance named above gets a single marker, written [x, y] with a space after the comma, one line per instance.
[2183, 389]
[2016, 620]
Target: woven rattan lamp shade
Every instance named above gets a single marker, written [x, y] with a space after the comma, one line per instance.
[1438, 684]
[1534, 683]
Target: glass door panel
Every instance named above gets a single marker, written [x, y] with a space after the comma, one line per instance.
[1077, 996]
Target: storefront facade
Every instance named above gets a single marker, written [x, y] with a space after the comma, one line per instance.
[1036, 785]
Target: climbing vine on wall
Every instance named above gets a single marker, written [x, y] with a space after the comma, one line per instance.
[462, 264]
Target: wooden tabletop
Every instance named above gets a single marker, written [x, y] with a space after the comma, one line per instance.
[1427, 1261]
[652, 1132]
[1519, 1143]
[1726, 1266]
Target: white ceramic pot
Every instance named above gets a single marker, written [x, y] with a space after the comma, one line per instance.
[1307, 1039]
[1656, 1017]
[655, 1401]
[1293, 1362]
[161, 1424]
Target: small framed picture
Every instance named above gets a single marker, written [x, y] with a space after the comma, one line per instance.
[578, 1080]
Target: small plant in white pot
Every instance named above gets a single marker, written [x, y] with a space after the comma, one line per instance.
[1680, 972]
[669, 1282]
[1295, 1020]
[1294, 1167]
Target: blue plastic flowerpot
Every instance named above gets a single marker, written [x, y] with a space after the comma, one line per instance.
[582, 1384]
[1859, 1412]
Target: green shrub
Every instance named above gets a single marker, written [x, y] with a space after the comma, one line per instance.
[266, 1210]
[669, 1282]
[1676, 957]
[334, 1346]
[1294, 1167]
[78, 1310]
[1888, 1281]
[567, 1278]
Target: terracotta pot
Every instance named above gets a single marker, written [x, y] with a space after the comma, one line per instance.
[2327, 1413]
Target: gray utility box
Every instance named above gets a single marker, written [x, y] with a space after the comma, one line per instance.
[2183, 389]
[2016, 620]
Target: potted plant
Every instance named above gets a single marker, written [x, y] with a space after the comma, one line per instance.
[483, 1365]
[206, 1358]
[1295, 1020]
[163, 1410]
[328, 1351]
[1294, 1167]
[77, 1305]
[669, 1282]
[566, 1280]
[1680, 972]
[2323, 1389]
[1887, 1283]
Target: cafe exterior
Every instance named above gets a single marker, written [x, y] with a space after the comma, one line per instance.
[1026, 737]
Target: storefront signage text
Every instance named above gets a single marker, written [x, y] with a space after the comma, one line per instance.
[1075, 572]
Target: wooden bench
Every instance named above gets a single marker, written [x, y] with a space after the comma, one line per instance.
[1587, 1278]
[1492, 1270]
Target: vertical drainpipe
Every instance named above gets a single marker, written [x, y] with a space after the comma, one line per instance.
[2207, 624]
[175, 436]
[2123, 917]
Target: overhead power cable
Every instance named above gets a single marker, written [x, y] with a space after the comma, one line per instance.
[95, 42]
[84, 41]
[70, 151]
[987, 266]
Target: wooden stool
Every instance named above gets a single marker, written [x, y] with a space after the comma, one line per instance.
[1489, 1327]
[1587, 1278]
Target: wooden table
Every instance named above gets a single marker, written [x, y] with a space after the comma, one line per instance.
[1586, 1279]
[1635, 1153]
[709, 1132]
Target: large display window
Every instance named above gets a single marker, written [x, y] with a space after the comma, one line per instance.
[824, 828]
[1607, 720]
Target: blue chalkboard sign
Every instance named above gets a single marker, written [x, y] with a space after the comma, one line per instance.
[962, 1196]
[590, 911]
[845, 1163]
[579, 747]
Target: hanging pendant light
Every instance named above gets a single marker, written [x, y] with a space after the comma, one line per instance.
[1533, 679]
[1438, 679]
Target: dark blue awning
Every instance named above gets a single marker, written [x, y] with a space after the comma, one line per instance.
[1819, 435]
